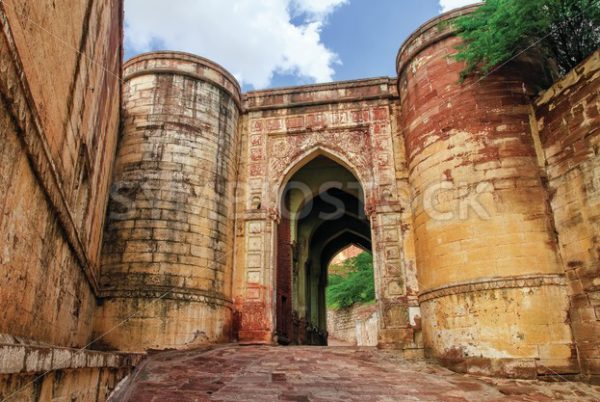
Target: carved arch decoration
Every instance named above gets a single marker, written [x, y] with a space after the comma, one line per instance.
[287, 155]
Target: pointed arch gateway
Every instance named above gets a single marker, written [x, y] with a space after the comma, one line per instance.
[322, 211]
[271, 301]
[285, 167]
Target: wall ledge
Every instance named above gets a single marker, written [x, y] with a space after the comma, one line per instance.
[585, 69]
[515, 282]
[20, 356]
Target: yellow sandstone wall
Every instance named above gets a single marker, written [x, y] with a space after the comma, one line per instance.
[59, 117]
[167, 257]
[492, 292]
[568, 120]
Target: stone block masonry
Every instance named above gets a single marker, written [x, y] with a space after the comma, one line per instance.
[350, 123]
[356, 325]
[167, 257]
[568, 122]
[487, 259]
[59, 120]
[36, 372]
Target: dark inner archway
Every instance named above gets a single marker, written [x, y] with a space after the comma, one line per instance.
[322, 213]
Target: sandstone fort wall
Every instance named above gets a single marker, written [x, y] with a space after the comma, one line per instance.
[568, 121]
[60, 117]
[495, 261]
[168, 250]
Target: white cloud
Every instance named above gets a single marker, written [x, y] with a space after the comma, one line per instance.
[319, 8]
[448, 5]
[252, 39]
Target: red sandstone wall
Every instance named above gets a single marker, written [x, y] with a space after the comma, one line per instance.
[59, 116]
[486, 254]
[568, 117]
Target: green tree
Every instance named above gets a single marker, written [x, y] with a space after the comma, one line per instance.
[357, 287]
[565, 32]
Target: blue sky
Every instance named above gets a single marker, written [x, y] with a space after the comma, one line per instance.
[366, 38]
[274, 43]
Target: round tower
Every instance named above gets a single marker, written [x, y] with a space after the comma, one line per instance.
[492, 294]
[167, 256]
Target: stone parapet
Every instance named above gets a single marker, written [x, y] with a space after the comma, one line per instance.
[34, 371]
[183, 64]
[435, 30]
[320, 94]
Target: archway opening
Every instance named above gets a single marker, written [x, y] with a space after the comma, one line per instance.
[352, 318]
[322, 212]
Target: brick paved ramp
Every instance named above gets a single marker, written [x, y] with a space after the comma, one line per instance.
[257, 373]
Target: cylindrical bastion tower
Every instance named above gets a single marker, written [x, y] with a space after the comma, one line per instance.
[167, 256]
[492, 294]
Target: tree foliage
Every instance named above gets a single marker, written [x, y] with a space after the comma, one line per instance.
[357, 287]
[565, 32]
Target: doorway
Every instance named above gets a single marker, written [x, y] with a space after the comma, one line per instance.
[322, 213]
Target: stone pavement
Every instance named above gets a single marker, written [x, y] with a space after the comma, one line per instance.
[337, 342]
[262, 373]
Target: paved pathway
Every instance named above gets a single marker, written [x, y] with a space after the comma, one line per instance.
[337, 342]
[257, 373]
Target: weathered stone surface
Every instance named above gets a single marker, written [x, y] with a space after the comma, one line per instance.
[356, 325]
[59, 119]
[568, 121]
[167, 256]
[482, 220]
[350, 123]
[86, 385]
[59, 134]
[43, 373]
